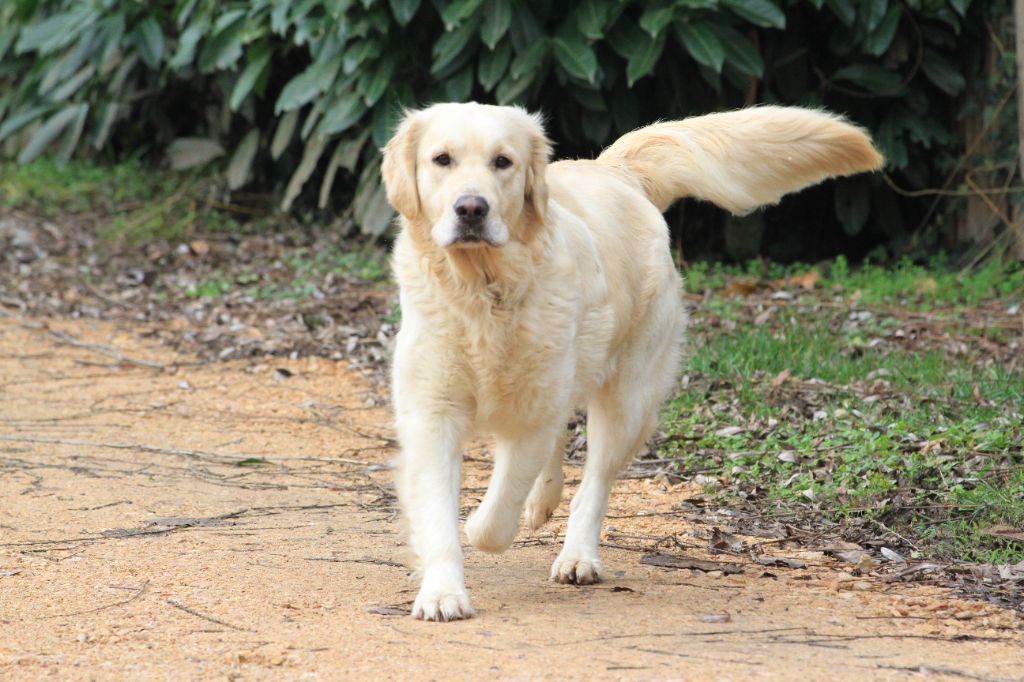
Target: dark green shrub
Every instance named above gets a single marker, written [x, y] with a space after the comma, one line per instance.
[282, 92]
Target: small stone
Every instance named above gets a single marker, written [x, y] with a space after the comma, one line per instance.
[715, 618]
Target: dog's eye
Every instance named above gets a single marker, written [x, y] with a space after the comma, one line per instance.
[502, 161]
[442, 159]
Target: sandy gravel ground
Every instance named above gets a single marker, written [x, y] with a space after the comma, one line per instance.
[164, 518]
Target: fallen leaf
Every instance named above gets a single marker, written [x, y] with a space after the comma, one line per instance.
[1005, 532]
[866, 564]
[913, 570]
[721, 541]
[931, 446]
[808, 280]
[729, 431]
[707, 481]
[851, 556]
[780, 561]
[763, 317]
[671, 561]
[781, 377]
[892, 555]
[848, 552]
[741, 286]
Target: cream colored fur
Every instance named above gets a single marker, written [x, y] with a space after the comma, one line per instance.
[574, 302]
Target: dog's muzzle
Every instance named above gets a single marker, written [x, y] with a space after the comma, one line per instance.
[471, 213]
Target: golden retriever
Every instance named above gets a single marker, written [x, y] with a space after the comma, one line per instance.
[531, 288]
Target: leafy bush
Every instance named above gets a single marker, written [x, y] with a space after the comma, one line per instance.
[282, 92]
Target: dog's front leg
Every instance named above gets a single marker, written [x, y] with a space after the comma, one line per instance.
[517, 462]
[429, 481]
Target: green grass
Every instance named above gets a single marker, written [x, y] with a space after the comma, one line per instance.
[369, 263]
[921, 437]
[904, 284]
[129, 201]
[78, 187]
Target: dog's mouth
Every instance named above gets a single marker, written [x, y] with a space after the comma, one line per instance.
[459, 235]
[472, 240]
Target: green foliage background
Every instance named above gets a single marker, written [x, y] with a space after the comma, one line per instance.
[298, 95]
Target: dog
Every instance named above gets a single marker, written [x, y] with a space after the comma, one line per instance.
[529, 289]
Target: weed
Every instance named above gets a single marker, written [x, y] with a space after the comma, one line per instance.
[837, 410]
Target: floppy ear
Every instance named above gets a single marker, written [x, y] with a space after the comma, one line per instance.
[398, 167]
[540, 153]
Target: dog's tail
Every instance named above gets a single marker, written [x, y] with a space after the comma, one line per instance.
[743, 159]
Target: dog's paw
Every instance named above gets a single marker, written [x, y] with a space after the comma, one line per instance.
[537, 514]
[574, 570]
[544, 498]
[442, 605]
[491, 532]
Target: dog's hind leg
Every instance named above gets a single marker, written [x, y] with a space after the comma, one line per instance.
[615, 431]
[517, 464]
[620, 418]
[546, 493]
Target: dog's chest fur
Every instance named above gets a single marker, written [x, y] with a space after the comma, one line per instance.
[517, 352]
[530, 339]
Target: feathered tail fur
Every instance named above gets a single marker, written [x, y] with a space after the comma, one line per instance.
[744, 159]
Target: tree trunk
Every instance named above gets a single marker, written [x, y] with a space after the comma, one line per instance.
[1018, 216]
[1018, 24]
[978, 221]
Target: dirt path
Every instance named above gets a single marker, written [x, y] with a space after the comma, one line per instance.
[162, 518]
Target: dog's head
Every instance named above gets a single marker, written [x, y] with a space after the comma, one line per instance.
[472, 175]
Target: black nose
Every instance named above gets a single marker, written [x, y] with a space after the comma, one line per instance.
[471, 208]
